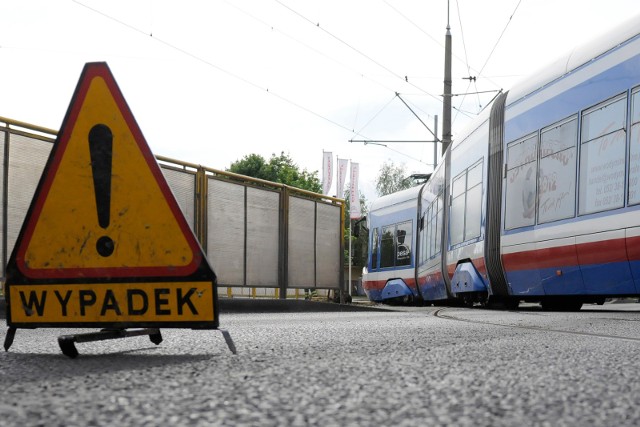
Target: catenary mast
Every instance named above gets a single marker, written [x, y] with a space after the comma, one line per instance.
[446, 107]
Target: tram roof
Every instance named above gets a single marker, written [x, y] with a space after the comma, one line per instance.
[577, 57]
[396, 198]
[561, 66]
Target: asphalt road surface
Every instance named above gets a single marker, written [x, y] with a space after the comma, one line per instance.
[413, 367]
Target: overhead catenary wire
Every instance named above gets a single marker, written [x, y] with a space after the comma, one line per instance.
[400, 153]
[273, 28]
[359, 52]
[465, 60]
[338, 62]
[369, 141]
[317, 25]
[436, 41]
[375, 115]
[409, 20]
[306, 45]
[473, 80]
[464, 44]
[500, 37]
[215, 66]
[466, 56]
[245, 80]
[414, 106]
[417, 117]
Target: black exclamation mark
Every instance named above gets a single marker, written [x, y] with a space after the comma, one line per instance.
[101, 151]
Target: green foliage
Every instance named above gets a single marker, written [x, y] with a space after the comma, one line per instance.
[280, 169]
[392, 178]
[253, 165]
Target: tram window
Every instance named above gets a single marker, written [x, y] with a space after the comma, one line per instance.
[426, 253]
[472, 213]
[602, 156]
[439, 219]
[474, 176]
[520, 206]
[434, 244]
[403, 243]
[375, 250]
[466, 205]
[556, 176]
[635, 106]
[387, 247]
[425, 236]
[602, 119]
[457, 208]
[395, 245]
[457, 220]
[634, 150]
[522, 152]
[473, 203]
[459, 185]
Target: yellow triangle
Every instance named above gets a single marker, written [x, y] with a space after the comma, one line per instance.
[146, 228]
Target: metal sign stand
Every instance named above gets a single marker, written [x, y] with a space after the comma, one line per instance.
[67, 342]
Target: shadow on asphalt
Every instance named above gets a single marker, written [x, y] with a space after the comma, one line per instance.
[40, 365]
[250, 305]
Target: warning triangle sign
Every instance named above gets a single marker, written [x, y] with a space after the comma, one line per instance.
[103, 207]
[104, 242]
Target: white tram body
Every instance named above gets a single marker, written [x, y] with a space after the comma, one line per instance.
[539, 200]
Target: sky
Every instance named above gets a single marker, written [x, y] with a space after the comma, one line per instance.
[212, 81]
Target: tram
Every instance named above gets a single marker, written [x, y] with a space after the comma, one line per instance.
[538, 200]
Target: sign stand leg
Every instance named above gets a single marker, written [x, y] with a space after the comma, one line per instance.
[156, 337]
[67, 342]
[8, 339]
[228, 340]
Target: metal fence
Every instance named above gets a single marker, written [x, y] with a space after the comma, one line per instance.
[261, 238]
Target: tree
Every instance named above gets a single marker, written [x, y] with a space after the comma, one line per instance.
[253, 165]
[392, 178]
[280, 169]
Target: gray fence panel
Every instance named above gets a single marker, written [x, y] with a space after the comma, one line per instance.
[244, 237]
[27, 158]
[3, 256]
[301, 259]
[328, 246]
[183, 187]
[263, 241]
[225, 231]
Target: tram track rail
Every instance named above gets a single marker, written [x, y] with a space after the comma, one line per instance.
[441, 315]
